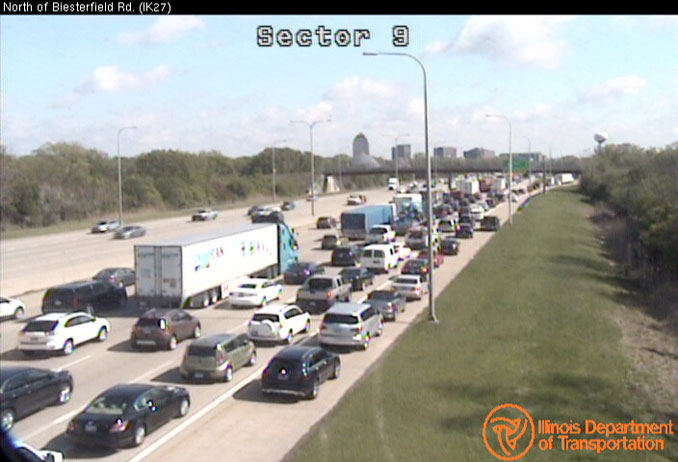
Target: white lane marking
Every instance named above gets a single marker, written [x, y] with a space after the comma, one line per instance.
[185, 424]
[72, 363]
[151, 372]
[65, 417]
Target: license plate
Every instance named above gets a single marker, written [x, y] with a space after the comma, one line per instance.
[282, 378]
[198, 375]
[91, 428]
[147, 330]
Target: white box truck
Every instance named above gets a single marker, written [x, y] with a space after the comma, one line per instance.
[470, 186]
[199, 270]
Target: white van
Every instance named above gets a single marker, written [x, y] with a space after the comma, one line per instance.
[379, 257]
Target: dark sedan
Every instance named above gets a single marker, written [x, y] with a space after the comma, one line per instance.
[124, 414]
[131, 231]
[326, 223]
[490, 223]
[450, 246]
[388, 302]
[332, 241]
[298, 272]
[358, 277]
[299, 370]
[24, 390]
[346, 256]
[287, 205]
[464, 231]
[121, 277]
[416, 267]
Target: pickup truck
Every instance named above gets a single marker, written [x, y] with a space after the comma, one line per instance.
[321, 291]
[380, 234]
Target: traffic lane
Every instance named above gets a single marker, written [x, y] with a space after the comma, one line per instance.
[266, 432]
[65, 257]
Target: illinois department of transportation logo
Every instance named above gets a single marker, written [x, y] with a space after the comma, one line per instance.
[509, 432]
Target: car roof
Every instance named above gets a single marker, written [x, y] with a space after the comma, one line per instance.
[56, 316]
[275, 308]
[347, 308]
[128, 389]
[10, 371]
[75, 284]
[296, 352]
[159, 312]
[213, 340]
[378, 246]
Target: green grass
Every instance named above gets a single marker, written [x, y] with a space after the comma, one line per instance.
[530, 322]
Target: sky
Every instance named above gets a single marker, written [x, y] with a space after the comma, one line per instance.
[201, 83]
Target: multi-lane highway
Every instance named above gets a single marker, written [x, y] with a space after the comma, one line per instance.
[227, 420]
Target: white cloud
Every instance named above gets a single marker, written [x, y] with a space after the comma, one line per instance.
[614, 89]
[111, 79]
[516, 40]
[163, 29]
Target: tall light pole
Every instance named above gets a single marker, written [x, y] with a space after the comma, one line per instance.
[273, 166]
[529, 163]
[120, 173]
[310, 129]
[429, 218]
[510, 182]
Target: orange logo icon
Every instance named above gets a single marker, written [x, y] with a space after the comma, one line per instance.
[509, 432]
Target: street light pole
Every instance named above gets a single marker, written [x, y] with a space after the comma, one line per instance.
[510, 182]
[429, 219]
[310, 128]
[529, 163]
[120, 174]
[273, 166]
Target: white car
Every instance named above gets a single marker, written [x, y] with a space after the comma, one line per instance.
[354, 199]
[204, 215]
[12, 308]
[29, 453]
[255, 292]
[411, 286]
[380, 234]
[62, 332]
[402, 250]
[106, 226]
[277, 322]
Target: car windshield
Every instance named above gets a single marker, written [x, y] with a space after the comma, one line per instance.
[350, 273]
[320, 284]
[109, 405]
[331, 318]
[342, 251]
[417, 234]
[248, 285]
[104, 274]
[279, 366]
[380, 295]
[406, 281]
[151, 322]
[40, 326]
[261, 317]
[378, 231]
[299, 266]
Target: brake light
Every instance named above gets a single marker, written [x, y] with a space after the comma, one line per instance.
[119, 425]
[329, 294]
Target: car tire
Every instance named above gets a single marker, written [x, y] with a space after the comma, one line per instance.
[7, 419]
[313, 394]
[102, 335]
[19, 313]
[122, 303]
[253, 359]
[65, 392]
[290, 338]
[366, 343]
[197, 331]
[380, 329]
[139, 435]
[68, 347]
[228, 373]
[263, 302]
[336, 371]
[184, 406]
[307, 327]
[172, 343]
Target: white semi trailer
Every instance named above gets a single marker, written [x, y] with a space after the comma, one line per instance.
[200, 270]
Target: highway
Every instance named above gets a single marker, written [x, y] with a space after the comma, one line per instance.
[227, 420]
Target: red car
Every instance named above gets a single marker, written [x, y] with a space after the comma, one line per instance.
[438, 257]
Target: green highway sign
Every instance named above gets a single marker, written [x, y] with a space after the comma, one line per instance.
[518, 164]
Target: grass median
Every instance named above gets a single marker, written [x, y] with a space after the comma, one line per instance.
[530, 321]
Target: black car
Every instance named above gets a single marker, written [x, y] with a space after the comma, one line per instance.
[299, 370]
[358, 277]
[124, 414]
[416, 267]
[24, 390]
[298, 272]
[346, 256]
[268, 217]
[490, 223]
[90, 296]
[326, 223]
[255, 209]
[450, 246]
[465, 230]
[288, 205]
[388, 302]
[332, 241]
[121, 277]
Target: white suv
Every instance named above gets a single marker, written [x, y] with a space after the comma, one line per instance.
[379, 257]
[380, 234]
[277, 322]
[62, 332]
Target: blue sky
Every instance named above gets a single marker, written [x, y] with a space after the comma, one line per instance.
[201, 83]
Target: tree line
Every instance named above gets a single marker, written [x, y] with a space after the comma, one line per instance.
[639, 188]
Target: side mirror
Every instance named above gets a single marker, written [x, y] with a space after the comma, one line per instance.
[49, 458]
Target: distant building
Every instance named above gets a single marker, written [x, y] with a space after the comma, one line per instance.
[402, 152]
[445, 152]
[361, 153]
[478, 153]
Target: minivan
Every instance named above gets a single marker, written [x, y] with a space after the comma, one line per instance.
[379, 257]
[89, 296]
[350, 324]
[216, 357]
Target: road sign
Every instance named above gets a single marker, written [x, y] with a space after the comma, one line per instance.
[518, 164]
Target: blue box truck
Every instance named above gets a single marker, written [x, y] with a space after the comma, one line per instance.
[357, 222]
